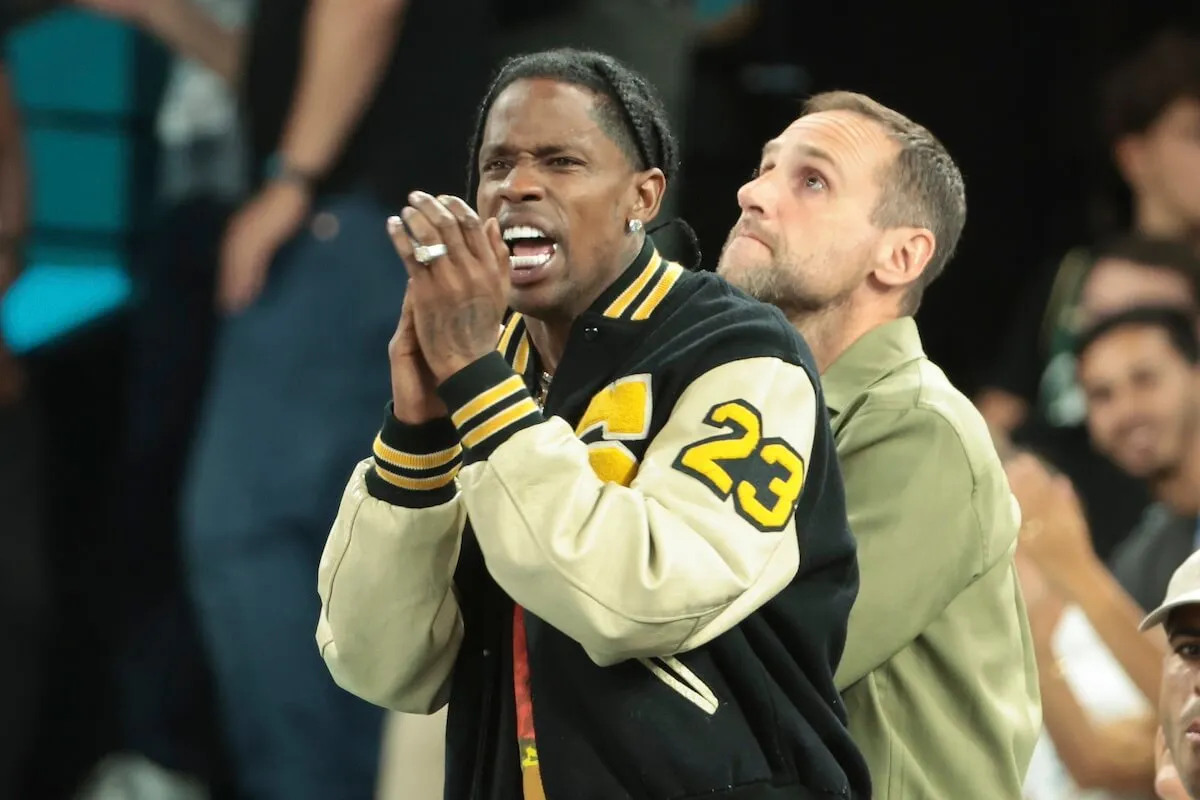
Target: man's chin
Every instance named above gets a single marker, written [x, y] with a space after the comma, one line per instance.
[1187, 768]
[1144, 467]
[540, 301]
[740, 272]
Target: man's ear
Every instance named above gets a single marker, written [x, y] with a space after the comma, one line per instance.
[1129, 156]
[651, 186]
[904, 255]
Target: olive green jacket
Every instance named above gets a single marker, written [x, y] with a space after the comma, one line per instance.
[938, 673]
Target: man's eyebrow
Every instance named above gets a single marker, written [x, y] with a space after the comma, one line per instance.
[773, 146]
[539, 151]
[817, 153]
[1190, 631]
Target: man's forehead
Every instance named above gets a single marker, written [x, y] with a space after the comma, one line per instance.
[545, 101]
[542, 109]
[1128, 347]
[1184, 109]
[836, 136]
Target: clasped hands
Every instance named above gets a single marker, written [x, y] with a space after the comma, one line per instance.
[1055, 550]
[454, 304]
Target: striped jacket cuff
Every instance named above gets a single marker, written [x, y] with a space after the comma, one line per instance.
[488, 403]
[414, 465]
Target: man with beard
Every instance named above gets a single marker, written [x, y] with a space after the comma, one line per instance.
[854, 210]
[1139, 374]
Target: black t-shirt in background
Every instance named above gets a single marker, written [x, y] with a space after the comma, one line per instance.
[416, 131]
[1023, 352]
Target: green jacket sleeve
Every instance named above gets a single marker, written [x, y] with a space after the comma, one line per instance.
[910, 492]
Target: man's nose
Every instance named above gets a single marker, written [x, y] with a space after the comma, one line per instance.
[524, 184]
[750, 196]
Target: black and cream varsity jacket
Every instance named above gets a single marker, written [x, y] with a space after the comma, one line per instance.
[640, 591]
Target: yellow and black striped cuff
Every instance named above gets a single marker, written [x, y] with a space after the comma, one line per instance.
[488, 403]
[415, 465]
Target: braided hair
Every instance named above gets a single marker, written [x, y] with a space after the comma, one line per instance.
[628, 110]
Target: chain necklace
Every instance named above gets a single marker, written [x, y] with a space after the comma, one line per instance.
[543, 389]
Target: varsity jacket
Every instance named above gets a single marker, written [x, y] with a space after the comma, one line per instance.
[641, 591]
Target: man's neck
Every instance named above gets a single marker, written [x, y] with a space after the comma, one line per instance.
[549, 339]
[831, 332]
[1180, 491]
[1153, 219]
[549, 336]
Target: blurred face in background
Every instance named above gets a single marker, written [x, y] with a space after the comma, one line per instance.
[1162, 165]
[805, 240]
[1115, 285]
[1179, 701]
[1142, 398]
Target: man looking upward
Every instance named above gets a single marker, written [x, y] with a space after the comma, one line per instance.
[854, 210]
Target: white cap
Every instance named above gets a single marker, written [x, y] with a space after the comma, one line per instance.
[1183, 590]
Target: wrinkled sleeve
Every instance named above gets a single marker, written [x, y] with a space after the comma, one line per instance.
[910, 496]
[390, 626]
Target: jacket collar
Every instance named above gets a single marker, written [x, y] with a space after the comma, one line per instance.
[876, 354]
[640, 289]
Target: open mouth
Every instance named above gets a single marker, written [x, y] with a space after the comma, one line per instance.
[530, 247]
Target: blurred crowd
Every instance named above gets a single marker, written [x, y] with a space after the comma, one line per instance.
[243, 415]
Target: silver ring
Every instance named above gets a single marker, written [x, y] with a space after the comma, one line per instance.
[425, 253]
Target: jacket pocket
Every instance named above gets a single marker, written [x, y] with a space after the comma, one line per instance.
[681, 680]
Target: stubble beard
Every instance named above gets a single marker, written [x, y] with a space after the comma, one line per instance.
[778, 284]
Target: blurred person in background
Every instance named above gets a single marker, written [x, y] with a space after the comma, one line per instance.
[23, 591]
[1099, 676]
[854, 210]
[1132, 271]
[169, 745]
[1179, 704]
[654, 37]
[723, 22]
[1152, 125]
[346, 103]
[1127, 272]
[1140, 373]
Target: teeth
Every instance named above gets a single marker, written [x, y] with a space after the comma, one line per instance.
[528, 262]
[523, 232]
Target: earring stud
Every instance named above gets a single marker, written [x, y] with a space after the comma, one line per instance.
[634, 225]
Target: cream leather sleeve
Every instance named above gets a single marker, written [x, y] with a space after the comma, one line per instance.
[390, 626]
[702, 537]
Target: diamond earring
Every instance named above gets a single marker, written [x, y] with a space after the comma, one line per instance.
[633, 226]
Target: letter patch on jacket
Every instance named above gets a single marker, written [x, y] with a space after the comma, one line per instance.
[619, 412]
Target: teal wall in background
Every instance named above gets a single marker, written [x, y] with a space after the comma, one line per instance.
[77, 61]
[88, 88]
